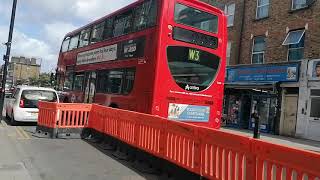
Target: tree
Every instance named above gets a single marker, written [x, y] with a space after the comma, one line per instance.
[44, 80]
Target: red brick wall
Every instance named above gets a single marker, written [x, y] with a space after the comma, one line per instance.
[275, 27]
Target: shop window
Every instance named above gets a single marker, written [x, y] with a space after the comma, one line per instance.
[295, 43]
[315, 104]
[258, 50]
[262, 9]
[229, 10]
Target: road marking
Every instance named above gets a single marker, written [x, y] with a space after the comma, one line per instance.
[22, 133]
[25, 133]
[4, 124]
[19, 133]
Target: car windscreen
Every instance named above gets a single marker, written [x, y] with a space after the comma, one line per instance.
[30, 98]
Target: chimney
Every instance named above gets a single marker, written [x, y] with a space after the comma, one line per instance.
[22, 60]
[33, 61]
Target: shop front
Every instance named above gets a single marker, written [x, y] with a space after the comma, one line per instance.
[257, 88]
[308, 124]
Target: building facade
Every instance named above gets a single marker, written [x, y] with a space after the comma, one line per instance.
[21, 69]
[270, 46]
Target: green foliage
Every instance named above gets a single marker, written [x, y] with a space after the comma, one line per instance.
[44, 80]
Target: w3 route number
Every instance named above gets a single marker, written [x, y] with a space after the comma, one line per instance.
[194, 55]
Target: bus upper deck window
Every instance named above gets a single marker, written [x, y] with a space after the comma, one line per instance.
[195, 18]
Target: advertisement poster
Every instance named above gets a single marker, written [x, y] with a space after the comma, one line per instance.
[191, 113]
[314, 70]
[107, 53]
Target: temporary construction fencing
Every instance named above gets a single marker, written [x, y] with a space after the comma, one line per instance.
[62, 120]
[210, 153]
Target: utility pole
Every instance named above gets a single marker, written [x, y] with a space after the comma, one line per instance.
[7, 56]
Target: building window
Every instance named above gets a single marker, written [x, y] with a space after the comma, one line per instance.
[229, 47]
[229, 11]
[262, 9]
[315, 104]
[295, 43]
[258, 49]
[299, 4]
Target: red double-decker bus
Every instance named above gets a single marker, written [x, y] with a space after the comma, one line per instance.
[162, 57]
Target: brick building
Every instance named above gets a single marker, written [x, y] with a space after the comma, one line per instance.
[270, 43]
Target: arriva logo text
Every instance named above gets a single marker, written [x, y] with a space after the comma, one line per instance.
[195, 88]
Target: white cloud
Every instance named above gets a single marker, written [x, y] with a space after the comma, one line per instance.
[89, 10]
[45, 22]
[24, 45]
[54, 32]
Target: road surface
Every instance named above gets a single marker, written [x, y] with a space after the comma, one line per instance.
[25, 157]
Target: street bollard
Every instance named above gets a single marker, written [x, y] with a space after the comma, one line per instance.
[256, 131]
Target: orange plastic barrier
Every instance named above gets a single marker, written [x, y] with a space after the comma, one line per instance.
[47, 114]
[150, 132]
[182, 145]
[72, 115]
[285, 162]
[210, 153]
[61, 119]
[225, 155]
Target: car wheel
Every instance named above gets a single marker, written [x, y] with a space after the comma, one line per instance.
[12, 121]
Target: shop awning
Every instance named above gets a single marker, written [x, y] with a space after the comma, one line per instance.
[250, 85]
[293, 37]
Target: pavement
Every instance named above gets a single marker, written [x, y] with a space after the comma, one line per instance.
[25, 157]
[282, 140]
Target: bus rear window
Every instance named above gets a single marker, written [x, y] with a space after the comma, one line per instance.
[195, 18]
[192, 69]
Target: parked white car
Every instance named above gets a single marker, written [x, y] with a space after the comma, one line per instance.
[23, 105]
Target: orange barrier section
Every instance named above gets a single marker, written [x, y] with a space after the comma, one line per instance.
[285, 162]
[47, 114]
[150, 134]
[225, 155]
[72, 115]
[182, 145]
[210, 153]
[61, 119]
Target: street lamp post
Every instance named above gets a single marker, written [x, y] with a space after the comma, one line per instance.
[7, 56]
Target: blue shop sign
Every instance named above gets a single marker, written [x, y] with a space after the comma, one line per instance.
[276, 73]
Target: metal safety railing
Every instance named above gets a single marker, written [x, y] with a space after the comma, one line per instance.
[208, 152]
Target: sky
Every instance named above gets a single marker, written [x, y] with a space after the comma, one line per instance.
[40, 25]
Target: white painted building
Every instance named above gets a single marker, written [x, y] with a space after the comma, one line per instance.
[308, 114]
